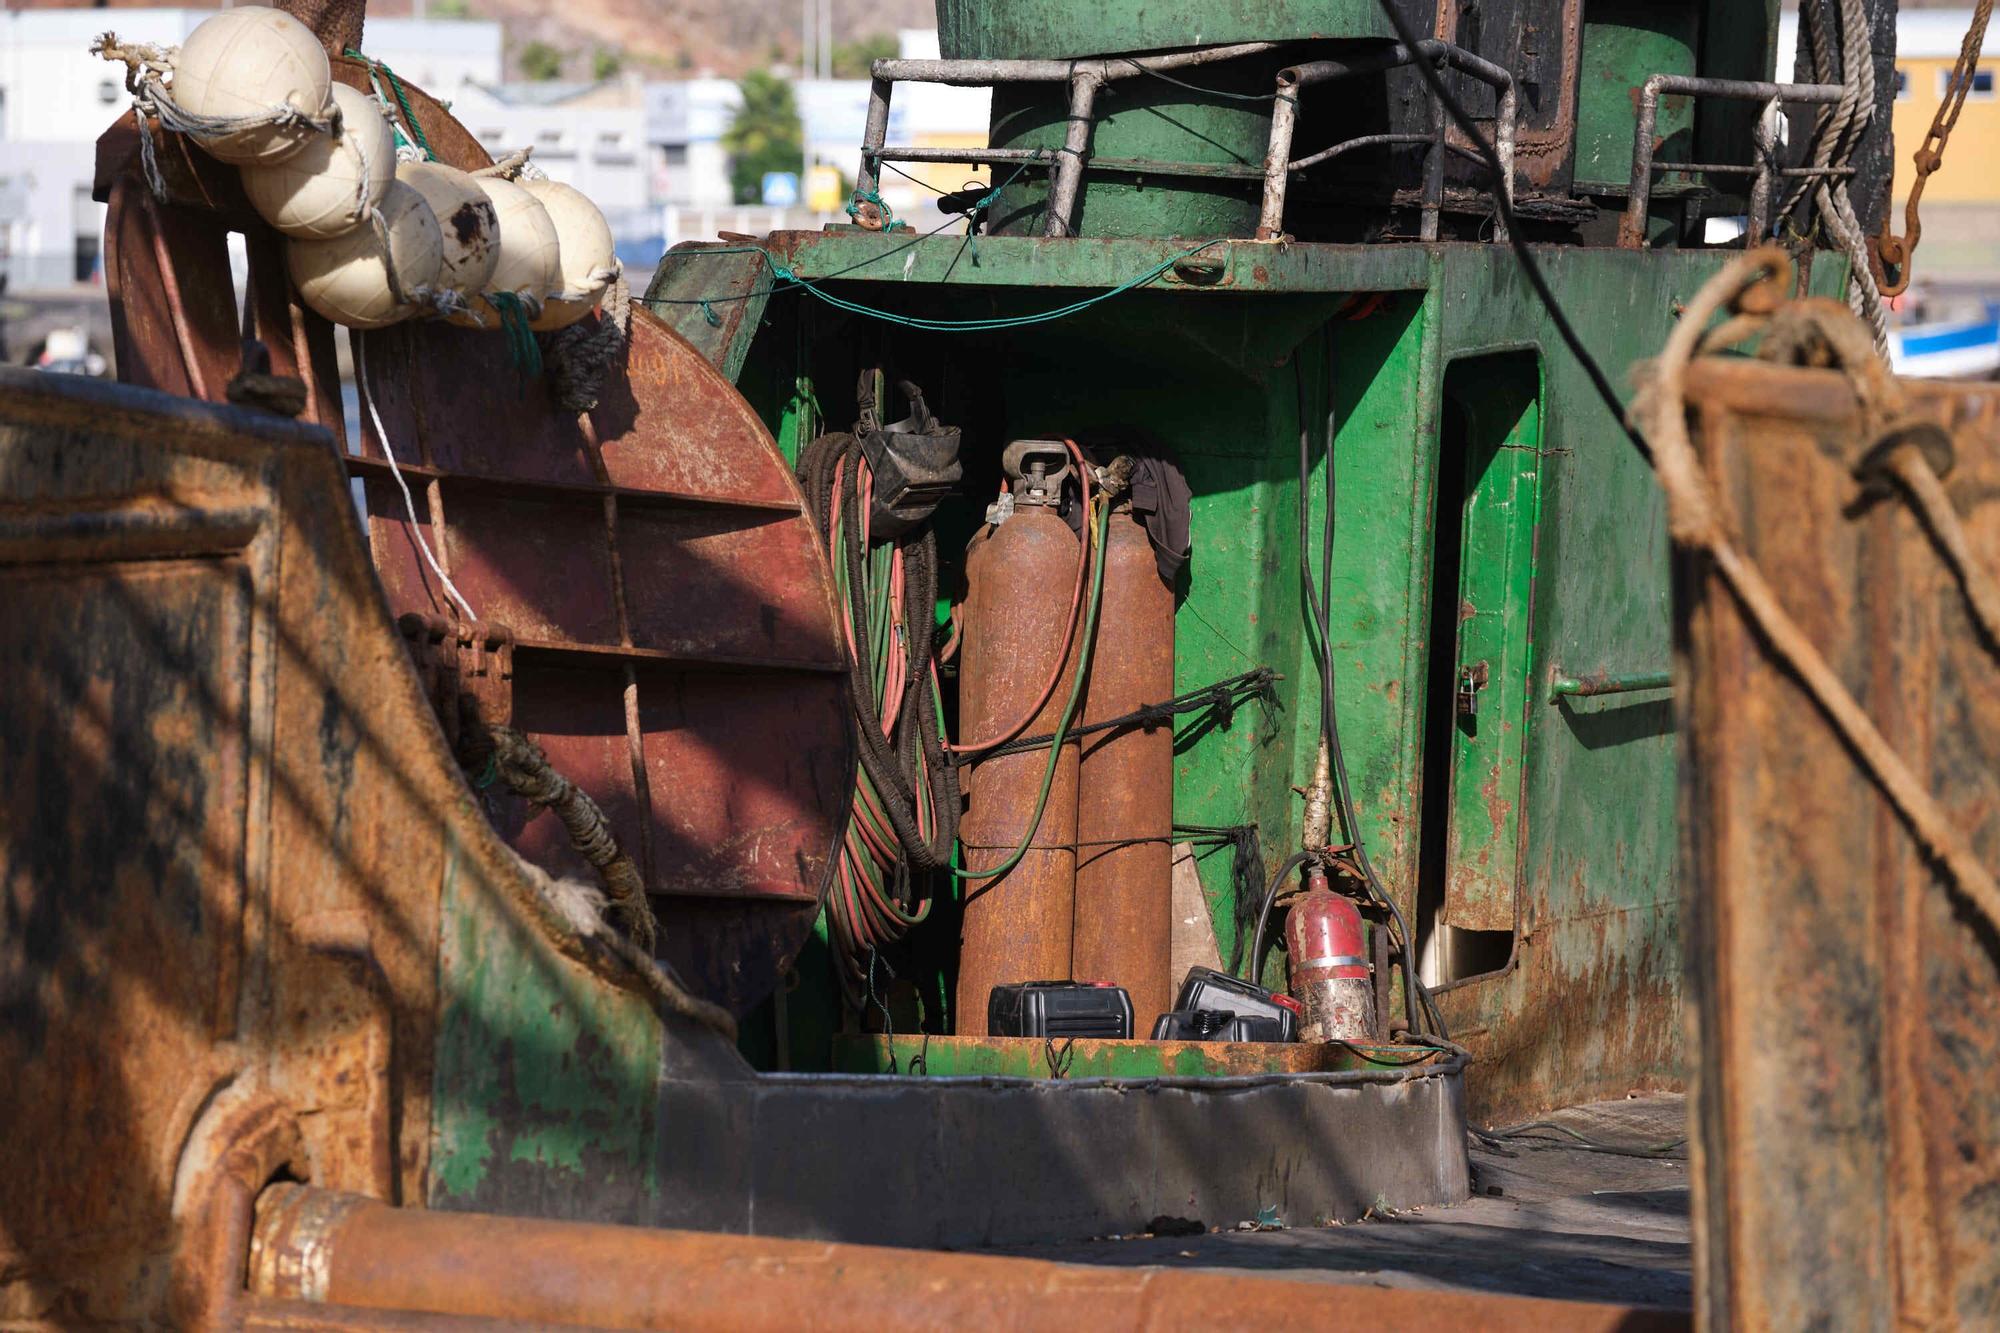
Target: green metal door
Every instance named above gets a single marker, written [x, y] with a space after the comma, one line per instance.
[1489, 461]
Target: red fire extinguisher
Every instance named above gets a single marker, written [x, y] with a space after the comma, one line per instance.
[1329, 964]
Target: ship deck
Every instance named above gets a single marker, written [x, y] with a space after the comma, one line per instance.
[1548, 1218]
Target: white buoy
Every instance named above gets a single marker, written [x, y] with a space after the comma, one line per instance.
[345, 278]
[466, 217]
[244, 62]
[327, 188]
[589, 262]
[530, 255]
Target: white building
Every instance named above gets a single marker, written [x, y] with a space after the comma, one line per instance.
[685, 119]
[589, 135]
[56, 98]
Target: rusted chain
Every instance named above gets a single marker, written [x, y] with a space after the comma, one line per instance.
[1890, 250]
[528, 774]
[1694, 519]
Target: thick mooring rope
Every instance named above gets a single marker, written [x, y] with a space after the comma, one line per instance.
[527, 773]
[582, 356]
[1838, 134]
[1753, 282]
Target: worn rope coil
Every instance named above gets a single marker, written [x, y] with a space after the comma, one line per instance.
[1836, 135]
[582, 356]
[526, 771]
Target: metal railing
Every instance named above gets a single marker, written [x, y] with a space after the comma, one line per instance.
[1084, 77]
[1632, 230]
[1603, 682]
[1278, 163]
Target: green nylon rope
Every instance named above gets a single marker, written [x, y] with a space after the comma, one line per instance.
[786, 279]
[1084, 650]
[521, 344]
[784, 274]
[402, 99]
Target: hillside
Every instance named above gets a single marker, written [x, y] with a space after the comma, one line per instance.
[724, 36]
[678, 36]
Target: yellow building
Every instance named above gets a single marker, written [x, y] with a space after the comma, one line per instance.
[1927, 46]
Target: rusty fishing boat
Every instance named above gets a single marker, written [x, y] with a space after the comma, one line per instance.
[1367, 588]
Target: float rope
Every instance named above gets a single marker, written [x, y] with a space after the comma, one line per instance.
[146, 68]
[527, 773]
[402, 99]
[582, 355]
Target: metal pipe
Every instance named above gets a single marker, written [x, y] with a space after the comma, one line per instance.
[1746, 169]
[1277, 159]
[873, 135]
[1068, 183]
[1377, 141]
[1084, 77]
[1433, 198]
[979, 73]
[1639, 196]
[318, 1246]
[1603, 682]
[1012, 156]
[1284, 118]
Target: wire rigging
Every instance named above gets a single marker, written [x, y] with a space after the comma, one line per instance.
[1319, 604]
[1531, 267]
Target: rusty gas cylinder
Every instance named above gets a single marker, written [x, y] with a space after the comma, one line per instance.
[1125, 791]
[1020, 572]
[1329, 964]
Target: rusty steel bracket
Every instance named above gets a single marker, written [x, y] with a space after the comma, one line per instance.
[1915, 430]
[460, 661]
[238, 1147]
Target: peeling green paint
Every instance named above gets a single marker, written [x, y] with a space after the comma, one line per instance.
[546, 1077]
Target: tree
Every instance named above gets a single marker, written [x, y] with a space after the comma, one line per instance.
[605, 64]
[765, 135]
[853, 60]
[540, 62]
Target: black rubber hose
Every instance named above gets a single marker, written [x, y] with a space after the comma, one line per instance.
[1292, 862]
[885, 767]
[1330, 717]
[1320, 607]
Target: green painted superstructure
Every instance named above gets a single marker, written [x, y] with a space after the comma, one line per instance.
[1442, 375]
[1210, 371]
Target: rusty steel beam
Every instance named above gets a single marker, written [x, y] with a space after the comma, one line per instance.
[1842, 991]
[314, 1245]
